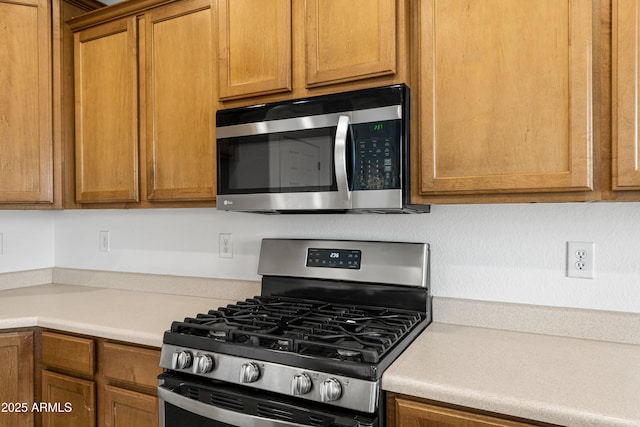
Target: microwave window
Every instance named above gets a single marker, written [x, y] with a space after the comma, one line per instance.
[278, 163]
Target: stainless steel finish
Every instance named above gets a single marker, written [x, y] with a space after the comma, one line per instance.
[382, 262]
[388, 200]
[357, 394]
[392, 112]
[202, 364]
[249, 373]
[181, 359]
[211, 412]
[301, 384]
[272, 202]
[340, 157]
[330, 390]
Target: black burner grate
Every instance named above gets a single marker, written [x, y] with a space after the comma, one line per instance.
[314, 328]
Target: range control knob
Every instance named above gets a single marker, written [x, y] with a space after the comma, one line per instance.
[330, 390]
[249, 373]
[202, 364]
[300, 384]
[181, 359]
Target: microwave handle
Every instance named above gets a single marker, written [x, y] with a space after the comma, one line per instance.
[340, 157]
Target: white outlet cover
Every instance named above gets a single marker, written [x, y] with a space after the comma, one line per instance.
[580, 259]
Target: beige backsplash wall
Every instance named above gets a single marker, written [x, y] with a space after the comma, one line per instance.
[512, 253]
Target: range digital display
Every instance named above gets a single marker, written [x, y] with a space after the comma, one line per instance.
[334, 258]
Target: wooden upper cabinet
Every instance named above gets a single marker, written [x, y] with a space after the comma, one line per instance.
[505, 96]
[26, 147]
[180, 139]
[254, 47]
[106, 73]
[349, 40]
[626, 48]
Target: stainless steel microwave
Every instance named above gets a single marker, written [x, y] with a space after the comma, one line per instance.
[346, 152]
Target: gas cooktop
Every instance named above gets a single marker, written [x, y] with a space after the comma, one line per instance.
[305, 327]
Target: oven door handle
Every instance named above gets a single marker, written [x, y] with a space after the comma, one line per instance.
[219, 414]
[340, 157]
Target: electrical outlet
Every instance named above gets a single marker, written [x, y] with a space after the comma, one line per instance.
[104, 241]
[580, 259]
[225, 241]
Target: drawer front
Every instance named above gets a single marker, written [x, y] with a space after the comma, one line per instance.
[68, 352]
[134, 365]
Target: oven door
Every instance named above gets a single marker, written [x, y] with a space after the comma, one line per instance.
[285, 165]
[187, 402]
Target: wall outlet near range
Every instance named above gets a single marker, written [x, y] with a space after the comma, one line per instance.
[580, 259]
[225, 241]
[104, 241]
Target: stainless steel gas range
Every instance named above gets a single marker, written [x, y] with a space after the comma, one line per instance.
[310, 350]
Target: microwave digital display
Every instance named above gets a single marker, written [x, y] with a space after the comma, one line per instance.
[334, 258]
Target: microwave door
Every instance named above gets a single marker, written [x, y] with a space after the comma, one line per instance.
[285, 171]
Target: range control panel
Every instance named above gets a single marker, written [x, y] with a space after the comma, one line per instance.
[334, 258]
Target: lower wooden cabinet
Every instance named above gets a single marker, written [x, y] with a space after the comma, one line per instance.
[408, 412]
[129, 408]
[70, 401]
[16, 379]
[107, 384]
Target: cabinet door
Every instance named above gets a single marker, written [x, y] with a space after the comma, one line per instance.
[254, 47]
[180, 139]
[415, 414]
[26, 164]
[349, 40]
[16, 377]
[626, 47]
[106, 90]
[129, 408]
[505, 96]
[73, 400]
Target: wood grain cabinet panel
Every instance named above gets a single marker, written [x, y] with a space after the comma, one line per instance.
[349, 40]
[16, 377]
[134, 365]
[409, 413]
[106, 71]
[626, 48]
[75, 401]
[505, 96]
[68, 353]
[26, 145]
[129, 408]
[180, 143]
[254, 47]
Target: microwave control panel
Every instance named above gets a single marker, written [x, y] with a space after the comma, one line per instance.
[376, 155]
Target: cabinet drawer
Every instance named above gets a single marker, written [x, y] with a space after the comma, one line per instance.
[68, 352]
[134, 365]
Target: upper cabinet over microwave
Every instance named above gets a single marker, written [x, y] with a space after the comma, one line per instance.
[337, 153]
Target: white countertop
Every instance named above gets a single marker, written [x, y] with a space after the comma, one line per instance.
[559, 380]
[131, 316]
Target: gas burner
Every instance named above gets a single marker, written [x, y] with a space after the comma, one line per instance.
[349, 350]
[282, 345]
[221, 330]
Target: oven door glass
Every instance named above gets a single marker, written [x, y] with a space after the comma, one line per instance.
[188, 402]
